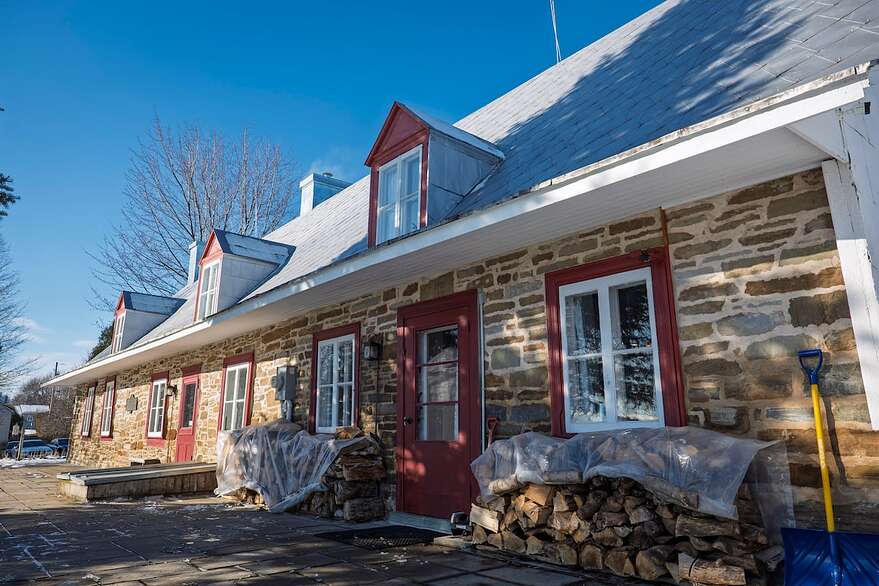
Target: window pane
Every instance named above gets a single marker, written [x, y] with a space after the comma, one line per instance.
[325, 406]
[386, 229]
[387, 186]
[632, 329]
[409, 220]
[238, 420]
[188, 404]
[412, 176]
[582, 329]
[438, 422]
[325, 364]
[345, 366]
[636, 392]
[229, 390]
[438, 383]
[438, 345]
[586, 390]
[344, 407]
[228, 414]
[241, 387]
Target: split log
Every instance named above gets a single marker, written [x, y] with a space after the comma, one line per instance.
[534, 546]
[479, 535]
[641, 515]
[562, 502]
[560, 553]
[540, 493]
[771, 557]
[484, 517]
[591, 557]
[364, 509]
[494, 539]
[703, 571]
[566, 522]
[504, 485]
[650, 563]
[512, 542]
[690, 526]
[619, 561]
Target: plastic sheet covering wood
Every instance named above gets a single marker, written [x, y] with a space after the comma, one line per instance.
[693, 467]
[278, 460]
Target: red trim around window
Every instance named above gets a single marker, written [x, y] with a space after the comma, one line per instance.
[329, 334]
[157, 441]
[109, 436]
[400, 133]
[232, 361]
[666, 329]
[212, 252]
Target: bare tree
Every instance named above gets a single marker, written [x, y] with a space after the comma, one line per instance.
[179, 187]
[13, 332]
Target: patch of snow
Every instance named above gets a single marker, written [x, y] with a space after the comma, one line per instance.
[47, 461]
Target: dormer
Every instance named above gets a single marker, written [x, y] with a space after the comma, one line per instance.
[138, 313]
[421, 168]
[232, 266]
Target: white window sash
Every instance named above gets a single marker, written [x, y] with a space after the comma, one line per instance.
[157, 408]
[602, 286]
[87, 409]
[117, 332]
[232, 406]
[400, 198]
[207, 299]
[335, 386]
[107, 409]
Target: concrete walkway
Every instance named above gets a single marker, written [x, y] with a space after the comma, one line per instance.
[50, 540]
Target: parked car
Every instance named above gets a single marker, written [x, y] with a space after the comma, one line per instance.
[60, 445]
[32, 448]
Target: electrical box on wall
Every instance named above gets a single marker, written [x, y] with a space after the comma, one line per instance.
[285, 383]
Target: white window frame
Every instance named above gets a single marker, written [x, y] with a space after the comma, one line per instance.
[118, 328]
[207, 298]
[235, 404]
[400, 164]
[156, 415]
[602, 286]
[335, 385]
[107, 408]
[88, 407]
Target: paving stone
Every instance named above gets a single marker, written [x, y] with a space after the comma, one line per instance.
[530, 576]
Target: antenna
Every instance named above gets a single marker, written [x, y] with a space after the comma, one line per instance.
[555, 31]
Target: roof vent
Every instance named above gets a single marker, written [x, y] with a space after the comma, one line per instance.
[316, 188]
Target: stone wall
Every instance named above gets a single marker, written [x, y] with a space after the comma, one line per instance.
[756, 276]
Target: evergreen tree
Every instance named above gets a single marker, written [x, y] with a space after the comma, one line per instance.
[6, 194]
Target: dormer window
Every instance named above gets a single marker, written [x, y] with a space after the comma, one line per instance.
[210, 284]
[117, 332]
[399, 201]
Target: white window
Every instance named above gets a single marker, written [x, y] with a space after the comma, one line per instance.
[399, 196]
[157, 408]
[335, 383]
[117, 332]
[609, 352]
[210, 284]
[235, 396]
[107, 409]
[87, 408]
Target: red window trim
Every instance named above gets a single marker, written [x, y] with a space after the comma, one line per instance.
[328, 334]
[666, 330]
[88, 432]
[157, 441]
[381, 158]
[109, 436]
[248, 392]
[207, 259]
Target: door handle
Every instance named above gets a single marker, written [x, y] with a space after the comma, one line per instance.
[407, 420]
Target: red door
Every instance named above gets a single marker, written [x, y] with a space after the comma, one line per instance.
[438, 421]
[186, 424]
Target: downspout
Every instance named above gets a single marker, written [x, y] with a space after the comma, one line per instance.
[481, 313]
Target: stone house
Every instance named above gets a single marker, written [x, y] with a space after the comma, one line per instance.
[642, 235]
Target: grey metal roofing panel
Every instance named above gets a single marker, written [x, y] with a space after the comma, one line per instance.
[251, 247]
[677, 65]
[151, 303]
[456, 133]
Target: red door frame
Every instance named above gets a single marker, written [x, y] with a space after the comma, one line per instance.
[191, 374]
[463, 305]
[670, 372]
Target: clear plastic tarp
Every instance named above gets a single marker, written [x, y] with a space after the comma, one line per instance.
[277, 460]
[690, 466]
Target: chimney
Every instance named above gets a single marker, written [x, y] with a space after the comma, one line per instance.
[316, 188]
[195, 250]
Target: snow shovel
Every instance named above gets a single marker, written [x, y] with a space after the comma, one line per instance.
[828, 557]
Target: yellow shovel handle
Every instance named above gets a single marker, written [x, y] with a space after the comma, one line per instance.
[822, 460]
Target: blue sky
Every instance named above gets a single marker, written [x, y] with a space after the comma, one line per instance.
[82, 82]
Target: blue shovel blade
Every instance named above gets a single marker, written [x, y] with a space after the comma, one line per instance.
[819, 558]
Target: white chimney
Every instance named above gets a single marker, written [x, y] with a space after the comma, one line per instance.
[316, 188]
[195, 250]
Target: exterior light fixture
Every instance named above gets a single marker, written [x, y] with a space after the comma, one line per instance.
[371, 351]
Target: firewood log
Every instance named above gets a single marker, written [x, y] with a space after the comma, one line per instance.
[691, 526]
[540, 493]
[619, 561]
[485, 517]
[591, 557]
[650, 563]
[705, 572]
[512, 542]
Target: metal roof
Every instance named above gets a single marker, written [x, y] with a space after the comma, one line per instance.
[151, 303]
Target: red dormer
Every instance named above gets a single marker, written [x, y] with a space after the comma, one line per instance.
[138, 313]
[420, 169]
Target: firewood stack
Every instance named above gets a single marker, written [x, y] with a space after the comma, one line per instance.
[618, 526]
[353, 481]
